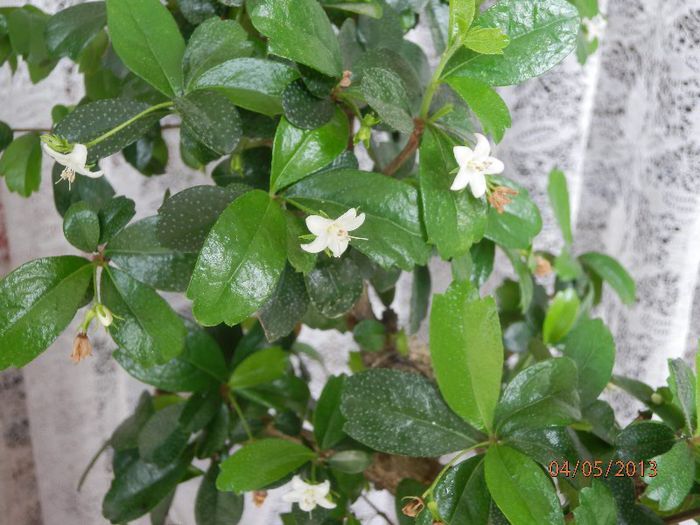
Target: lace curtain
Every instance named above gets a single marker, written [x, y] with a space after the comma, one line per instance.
[626, 130]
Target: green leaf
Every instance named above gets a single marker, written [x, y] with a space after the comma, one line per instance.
[214, 42]
[81, 227]
[541, 32]
[545, 445]
[214, 437]
[241, 261]
[486, 40]
[644, 440]
[334, 286]
[212, 119]
[613, 273]
[592, 347]
[145, 36]
[297, 153]
[137, 251]
[300, 31]
[675, 472]
[437, 17]
[366, 7]
[146, 327]
[520, 488]
[482, 256]
[162, 439]
[114, 215]
[596, 507]
[300, 260]
[97, 192]
[461, 16]
[197, 11]
[212, 507]
[264, 366]
[184, 219]
[402, 413]
[666, 410]
[519, 224]
[486, 104]
[350, 461]
[542, 395]
[305, 110]
[250, 83]
[407, 488]
[261, 463]
[92, 120]
[37, 302]
[140, 486]
[336, 191]
[70, 30]
[385, 92]
[420, 298]
[559, 199]
[370, 334]
[6, 135]
[21, 165]
[287, 306]
[561, 316]
[199, 367]
[525, 282]
[467, 353]
[328, 420]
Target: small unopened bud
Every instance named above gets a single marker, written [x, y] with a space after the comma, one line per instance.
[259, 497]
[413, 507]
[104, 315]
[346, 81]
[657, 398]
[500, 197]
[81, 347]
[542, 267]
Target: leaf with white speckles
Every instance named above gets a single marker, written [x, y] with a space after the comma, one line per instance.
[212, 119]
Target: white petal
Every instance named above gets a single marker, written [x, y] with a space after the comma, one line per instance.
[326, 503]
[298, 483]
[319, 244]
[338, 245]
[79, 155]
[350, 222]
[92, 174]
[307, 505]
[291, 497]
[462, 179]
[317, 224]
[478, 184]
[462, 155]
[55, 155]
[482, 148]
[321, 490]
[495, 166]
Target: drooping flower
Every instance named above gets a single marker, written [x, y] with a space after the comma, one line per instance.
[474, 165]
[81, 347]
[500, 197]
[333, 234]
[73, 157]
[309, 496]
[104, 315]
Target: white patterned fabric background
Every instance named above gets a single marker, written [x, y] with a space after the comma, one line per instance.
[626, 130]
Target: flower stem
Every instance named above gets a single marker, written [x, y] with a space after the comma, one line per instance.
[117, 129]
[431, 488]
[94, 459]
[436, 80]
[244, 422]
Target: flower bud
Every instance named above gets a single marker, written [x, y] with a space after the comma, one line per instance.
[413, 507]
[657, 398]
[81, 347]
[57, 143]
[104, 315]
[259, 497]
[542, 267]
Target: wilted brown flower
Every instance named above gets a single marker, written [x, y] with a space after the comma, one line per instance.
[346, 80]
[500, 197]
[81, 347]
[259, 497]
[542, 266]
[413, 507]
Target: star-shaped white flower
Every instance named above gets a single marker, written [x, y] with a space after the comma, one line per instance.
[595, 27]
[309, 496]
[333, 234]
[74, 162]
[474, 165]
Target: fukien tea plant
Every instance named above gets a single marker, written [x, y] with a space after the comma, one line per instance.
[497, 420]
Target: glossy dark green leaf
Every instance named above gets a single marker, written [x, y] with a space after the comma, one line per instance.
[596, 506]
[328, 419]
[138, 252]
[162, 439]
[213, 439]
[197, 11]
[212, 119]
[541, 32]
[486, 40]
[350, 461]
[334, 286]
[486, 104]
[591, 346]
[81, 227]
[664, 408]
[300, 260]
[200, 366]
[114, 216]
[286, 307]
[90, 121]
[406, 489]
[420, 297]
[300, 31]
[261, 463]
[145, 36]
[613, 273]
[385, 93]
[159, 514]
[263, 366]
[297, 153]
[673, 477]
[199, 409]
[97, 192]
[402, 413]
[147, 328]
[482, 255]
[241, 261]
[37, 302]
[520, 488]
[545, 445]
[559, 199]
[125, 436]
[561, 316]
[212, 507]
[304, 109]
[629, 512]
[393, 61]
[682, 384]
[6, 135]
[453, 220]
[519, 224]
[644, 440]
[467, 353]
[70, 30]
[250, 83]
[21, 165]
[370, 334]
[542, 395]
[391, 209]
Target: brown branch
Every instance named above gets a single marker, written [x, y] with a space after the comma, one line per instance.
[408, 150]
[682, 516]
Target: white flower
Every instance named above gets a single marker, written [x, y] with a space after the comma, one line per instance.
[104, 315]
[333, 234]
[74, 162]
[309, 496]
[595, 27]
[474, 165]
